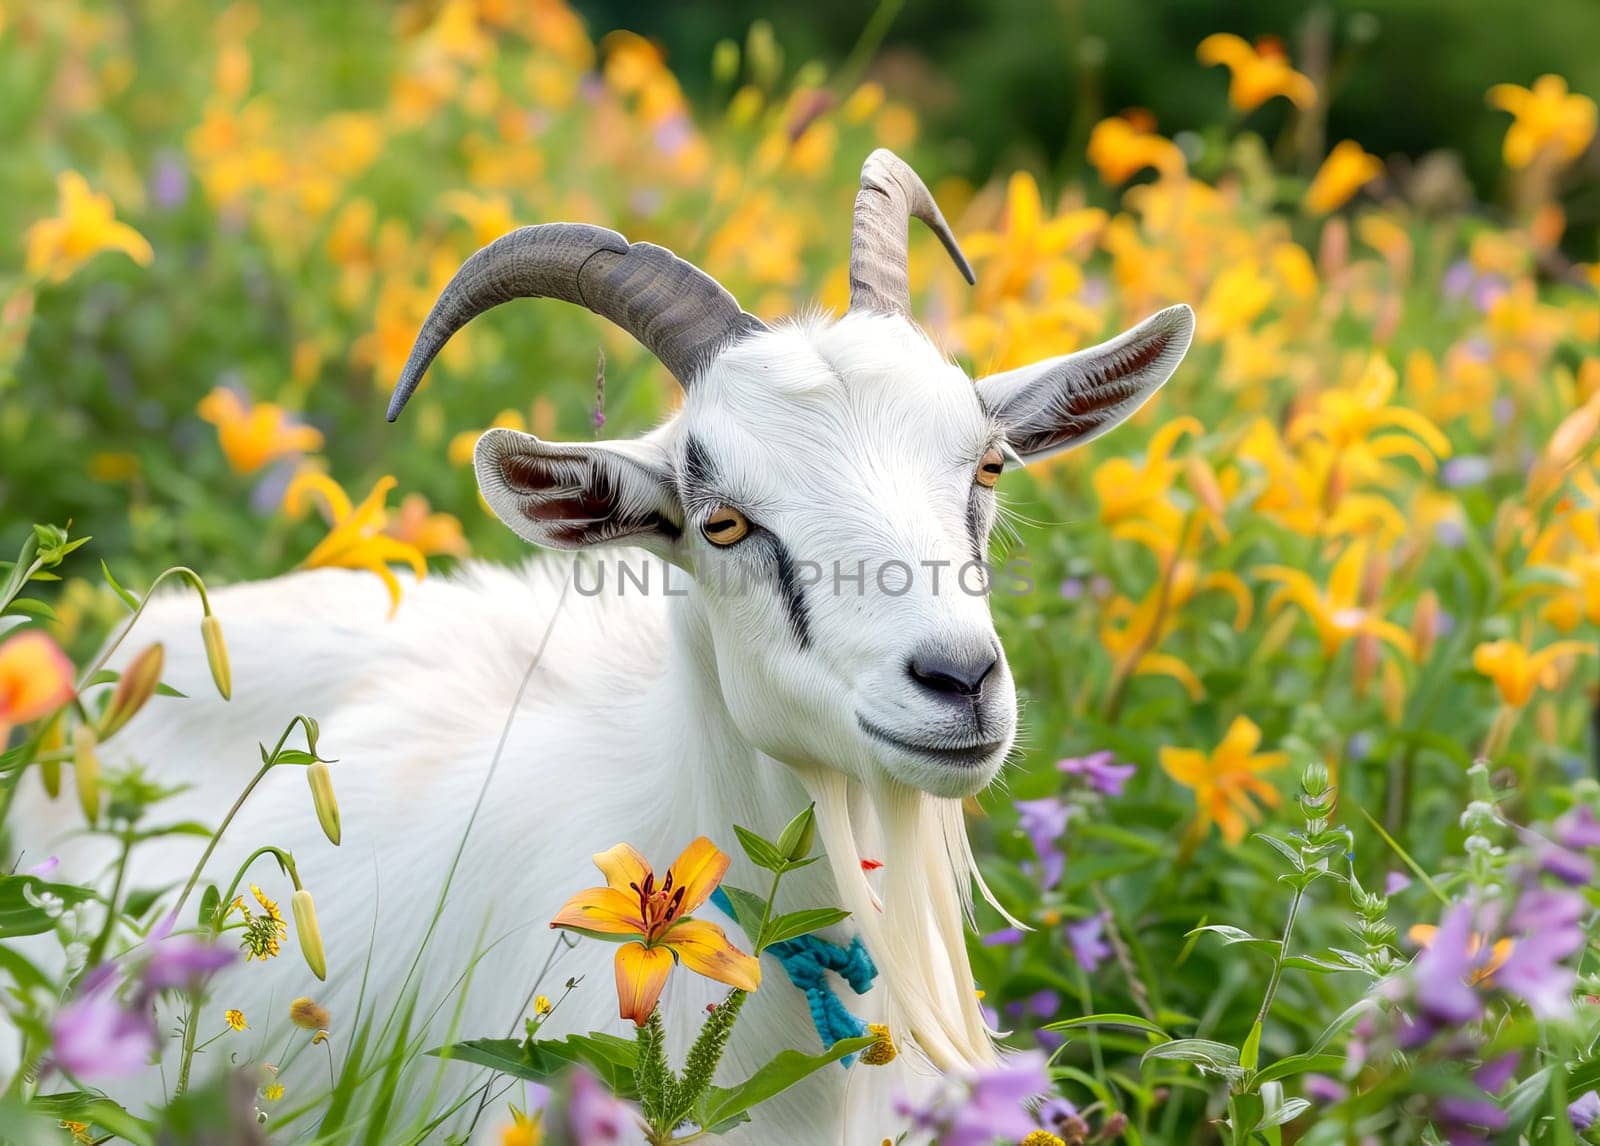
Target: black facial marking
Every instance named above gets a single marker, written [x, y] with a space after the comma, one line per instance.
[794, 601]
[699, 472]
[975, 526]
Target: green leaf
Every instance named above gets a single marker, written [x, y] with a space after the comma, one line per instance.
[101, 1112]
[748, 910]
[795, 923]
[610, 1057]
[20, 917]
[1297, 1064]
[209, 899]
[1287, 851]
[142, 899]
[1250, 1053]
[1312, 963]
[1233, 936]
[1218, 1057]
[1405, 857]
[28, 607]
[1285, 1113]
[1109, 1019]
[723, 1108]
[128, 598]
[762, 853]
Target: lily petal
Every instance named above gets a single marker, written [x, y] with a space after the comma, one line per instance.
[601, 911]
[705, 949]
[641, 973]
[698, 871]
[624, 868]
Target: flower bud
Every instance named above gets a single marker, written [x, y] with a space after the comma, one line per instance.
[217, 655]
[725, 62]
[86, 771]
[52, 742]
[1204, 485]
[323, 799]
[1425, 624]
[798, 835]
[305, 929]
[134, 688]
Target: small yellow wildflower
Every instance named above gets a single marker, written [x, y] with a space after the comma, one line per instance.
[1517, 673]
[1347, 170]
[542, 1005]
[1042, 1138]
[78, 1130]
[263, 934]
[883, 1051]
[307, 1015]
[356, 539]
[1547, 120]
[272, 1093]
[1226, 779]
[525, 1129]
[85, 225]
[253, 435]
[235, 1019]
[1260, 71]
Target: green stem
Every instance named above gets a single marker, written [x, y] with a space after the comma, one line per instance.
[97, 950]
[216, 836]
[1283, 953]
[766, 913]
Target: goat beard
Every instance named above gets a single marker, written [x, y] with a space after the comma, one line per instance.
[916, 932]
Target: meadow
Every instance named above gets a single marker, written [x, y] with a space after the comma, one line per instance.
[1304, 816]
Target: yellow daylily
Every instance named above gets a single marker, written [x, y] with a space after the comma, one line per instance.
[1015, 255]
[1130, 491]
[1347, 170]
[1516, 672]
[651, 920]
[1123, 145]
[35, 679]
[85, 225]
[1571, 545]
[253, 435]
[1338, 613]
[1350, 417]
[1260, 71]
[356, 539]
[1547, 119]
[1226, 782]
[1132, 632]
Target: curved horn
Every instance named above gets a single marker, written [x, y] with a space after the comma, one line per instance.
[680, 313]
[891, 193]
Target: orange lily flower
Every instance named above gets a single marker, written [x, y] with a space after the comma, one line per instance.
[652, 922]
[253, 435]
[356, 539]
[1030, 241]
[1226, 781]
[1547, 118]
[1347, 170]
[86, 225]
[1338, 613]
[35, 679]
[1124, 145]
[1260, 71]
[432, 533]
[1516, 672]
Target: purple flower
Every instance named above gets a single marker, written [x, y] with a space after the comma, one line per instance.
[596, 1117]
[1568, 866]
[1098, 768]
[1005, 937]
[1321, 1088]
[95, 1039]
[1466, 470]
[1585, 1111]
[1087, 938]
[1545, 926]
[1578, 828]
[169, 182]
[181, 960]
[1042, 1004]
[44, 868]
[1044, 821]
[993, 1107]
[1494, 1074]
[1457, 281]
[1072, 588]
[1441, 973]
[1060, 1116]
[1395, 882]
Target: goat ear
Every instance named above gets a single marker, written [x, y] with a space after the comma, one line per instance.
[574, 496]
[1064, 402]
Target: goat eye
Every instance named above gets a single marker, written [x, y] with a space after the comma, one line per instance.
[990, 467]
[725, 526]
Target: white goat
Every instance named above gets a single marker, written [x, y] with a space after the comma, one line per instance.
[814, 469]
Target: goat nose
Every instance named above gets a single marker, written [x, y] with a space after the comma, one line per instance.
[953, 675]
